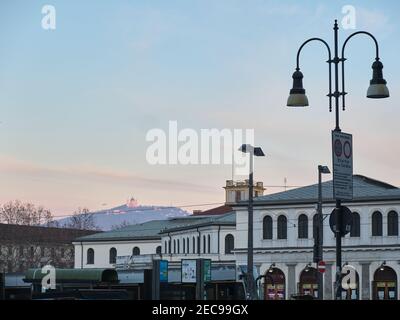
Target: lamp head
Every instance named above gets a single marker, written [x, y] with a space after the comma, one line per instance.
[297, 96]
[248, 148]
[324, 169]
[377, 86]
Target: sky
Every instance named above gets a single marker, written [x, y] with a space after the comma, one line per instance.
[77, 102]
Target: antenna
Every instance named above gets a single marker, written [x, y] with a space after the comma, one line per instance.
[233, 162]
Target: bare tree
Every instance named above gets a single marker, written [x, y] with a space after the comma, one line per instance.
[82, 219]
[16, 212]
[123, 224]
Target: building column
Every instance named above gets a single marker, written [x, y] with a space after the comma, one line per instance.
[365, 280]
[291, 279]
[328, 295]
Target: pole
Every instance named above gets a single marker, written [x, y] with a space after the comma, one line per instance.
[336, 61]
[3, 285]
[200, 293]
[320, 235]
[250, 276]
[155, 280]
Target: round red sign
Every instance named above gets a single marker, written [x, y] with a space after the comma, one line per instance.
[321, 266]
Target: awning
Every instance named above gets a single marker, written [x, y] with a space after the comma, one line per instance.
[75, 275]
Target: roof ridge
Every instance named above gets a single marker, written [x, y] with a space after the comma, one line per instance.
[375, 181]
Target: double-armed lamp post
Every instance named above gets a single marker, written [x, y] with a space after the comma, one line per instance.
[297, 98]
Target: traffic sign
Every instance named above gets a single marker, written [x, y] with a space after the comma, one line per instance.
[342, 154]
[347, 220]
[321, 266]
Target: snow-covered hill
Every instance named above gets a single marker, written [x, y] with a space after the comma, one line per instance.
[131, 213]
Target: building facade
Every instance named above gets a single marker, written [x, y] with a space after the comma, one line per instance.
[283, 244]
[283, 241]
[23, 247]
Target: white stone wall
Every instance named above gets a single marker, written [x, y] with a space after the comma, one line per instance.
[373, 250]
[212, 231]
[292, 214]
[102, 251]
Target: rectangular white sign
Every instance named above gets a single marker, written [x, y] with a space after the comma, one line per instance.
[342, 153]
[188, 271]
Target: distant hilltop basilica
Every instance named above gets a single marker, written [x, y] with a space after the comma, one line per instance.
[132, 203]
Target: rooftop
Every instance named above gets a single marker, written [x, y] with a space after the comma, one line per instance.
[364, 189]
[37, 234]
[153, 229]
[214, 211]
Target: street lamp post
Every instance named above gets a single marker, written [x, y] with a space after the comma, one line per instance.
[319, 234]
[253, 151]
[297, 98]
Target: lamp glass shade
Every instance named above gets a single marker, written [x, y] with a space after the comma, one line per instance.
[377, 86]
[378, 91]
[297, 100]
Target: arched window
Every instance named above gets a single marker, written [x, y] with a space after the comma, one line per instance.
[377, 223]
[267, 227]
[229, 243]
[113, 255]
[178, 244]
[174, 246]
[282, 227]
[90, 256]
[303, 227]
[198, 244]
[355, 228]
[165, 247]
[187, 245]
[136, 251]
[169, 246]
[158, 250]
[393, 224]
[194, 245]
[184, 245]
[209, 244]
[204, 244]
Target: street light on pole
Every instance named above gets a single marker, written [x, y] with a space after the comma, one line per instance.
[253, 151]
[319, 235]
[297, 98]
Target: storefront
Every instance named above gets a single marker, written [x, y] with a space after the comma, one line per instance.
[385, 284]
[274, 284]
[308, 284]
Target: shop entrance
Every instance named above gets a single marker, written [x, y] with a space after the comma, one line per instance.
[308, 284]
[385, 284]
[274, 284]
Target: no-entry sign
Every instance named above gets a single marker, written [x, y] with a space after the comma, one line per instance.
[342, 153]
[321, 266]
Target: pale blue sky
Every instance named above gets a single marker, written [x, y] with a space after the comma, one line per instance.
[77, 102]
